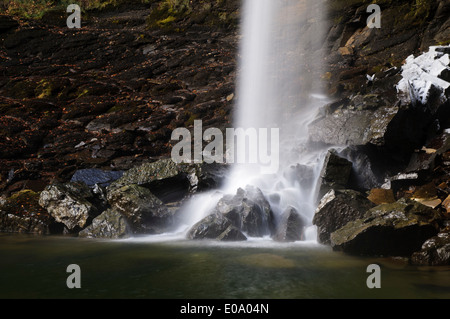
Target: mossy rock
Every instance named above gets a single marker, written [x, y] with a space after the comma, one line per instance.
[21, 213]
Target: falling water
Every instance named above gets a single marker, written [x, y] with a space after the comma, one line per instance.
[279, 87]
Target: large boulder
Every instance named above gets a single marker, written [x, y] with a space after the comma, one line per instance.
[170, 181]
[145, 213]
[69, 204]
[397, 229]
[434, 252]
[249, 211]
[110, 224]
[217, 227]
[290, 227]
[21, 213]
[336, 209]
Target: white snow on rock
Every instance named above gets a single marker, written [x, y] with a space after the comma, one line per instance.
[422, 73]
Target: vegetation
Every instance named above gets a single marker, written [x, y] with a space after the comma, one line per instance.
[35, 9]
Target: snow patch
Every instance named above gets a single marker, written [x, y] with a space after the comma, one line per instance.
[422, 73]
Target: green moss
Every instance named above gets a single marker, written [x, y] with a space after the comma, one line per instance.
[35, 9]
[44, 89]
[167, 13]
[191, 119]
[23, 203]
[82, 92]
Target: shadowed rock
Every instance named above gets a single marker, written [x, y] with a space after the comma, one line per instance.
[290, 227]
[144, 212]
[109, 224]
[216, 226]
[337, 208]
[69, 204]
[397, 229]
[434, 252]
[248, 211]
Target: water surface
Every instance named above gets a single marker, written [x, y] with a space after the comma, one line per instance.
[174, 268]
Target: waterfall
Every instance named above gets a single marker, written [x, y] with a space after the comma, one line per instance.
[280, 68]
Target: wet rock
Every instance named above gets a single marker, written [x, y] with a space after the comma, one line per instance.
[170, 181]
[380, 196]
[93, 176]
[216, 226]
[446, 204]
[110, 224]
[144, 212]
[425, 160]
[435, 251]
[335, 173]
[21, 213]
[353, 126]
[397, 229]
[336, 209]
[69, 204]
[290, 227]
[249, 211]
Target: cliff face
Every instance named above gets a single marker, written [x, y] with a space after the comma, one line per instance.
[353, 50]
[110, 94]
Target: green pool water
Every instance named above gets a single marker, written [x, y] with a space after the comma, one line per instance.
[174, 268]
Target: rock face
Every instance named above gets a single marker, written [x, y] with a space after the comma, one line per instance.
[336, 209]
[397, 229]
[249, 211]
[290, 227]
[69, 204]
[144, 212]
[92, 177]
[109, 224]
[216, 226]
[335, 173]
[435, 251]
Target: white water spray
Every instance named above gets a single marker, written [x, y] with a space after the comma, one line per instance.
[279, 87]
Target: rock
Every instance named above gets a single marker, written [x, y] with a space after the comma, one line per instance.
[424, 161]
[23, 224]
[435, 251]
[93, 176]
[216, 226]
[290, 227]
[353, 126]
[109, 224]
[401, 180]
[335, 173]
[424, 76]
[21, 213]
[336, 209]
[397, 229]
[427, 195]
[380, 196]
[7, 23]
[144, 212]
[69, 204]
[249, 211]
[446, 204]
[170, 181]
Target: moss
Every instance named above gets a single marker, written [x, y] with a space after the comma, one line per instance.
[82, 92]
[24, 203]
[35, 9]
[167, 12]
[191, 119]
[44, 89]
